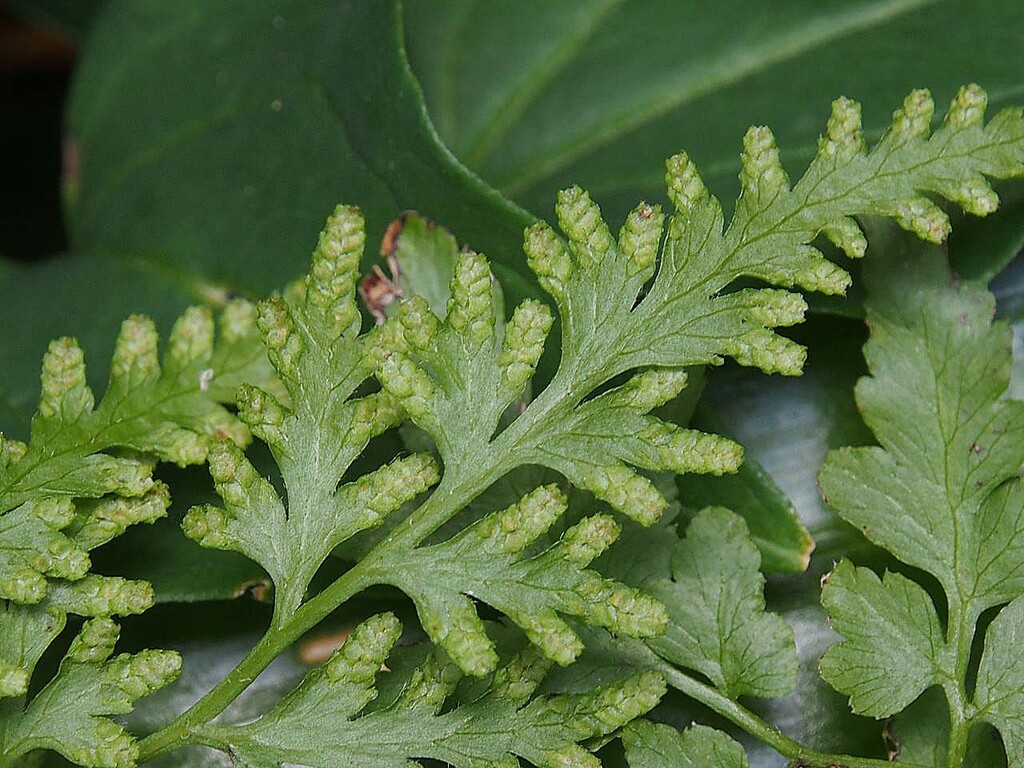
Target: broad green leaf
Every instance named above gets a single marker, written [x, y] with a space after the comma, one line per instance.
[717, 623]
[652, 745]
[980, 249]
[71, 17]
[71, 714]
[8, 267]
[212, 140]
[894, 646]
[536, 96]
[493, 730]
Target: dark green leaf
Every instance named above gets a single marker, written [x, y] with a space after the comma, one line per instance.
[212, 140]
[72, 17]
[536, 95]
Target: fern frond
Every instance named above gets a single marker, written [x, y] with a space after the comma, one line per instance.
[507, 722]
[626, 306]
[101, 454]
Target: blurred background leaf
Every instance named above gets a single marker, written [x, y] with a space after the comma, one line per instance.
[536, 96]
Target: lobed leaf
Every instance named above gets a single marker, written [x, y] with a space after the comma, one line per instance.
[26, 631]
[487, 562]
[941, 492]
[894, 646]
[687, 316]
[662, 296]
[717, 620]
[654, 745]
[101, 454]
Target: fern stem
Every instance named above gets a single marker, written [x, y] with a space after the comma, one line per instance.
[961, 621]
[799, 755]
[269, 647]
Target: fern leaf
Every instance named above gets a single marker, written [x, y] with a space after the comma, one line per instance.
[314, 345]
[713, 591]
[687, 317]
[486, 562]
[717, 622]
[507, 722]
[72, 713]
[100, 454]
[653, 745]
[166, 410]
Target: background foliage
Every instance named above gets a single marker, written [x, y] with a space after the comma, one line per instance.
[205, 143]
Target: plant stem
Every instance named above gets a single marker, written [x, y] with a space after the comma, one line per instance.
[961, 621]
[797, 753]
[269, 647]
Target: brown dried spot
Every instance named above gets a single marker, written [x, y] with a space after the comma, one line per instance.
[646, 211]
[975, 448]
[318, 649]
[378, 292]
[260, 590]
[389, 243]
[892, 744]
